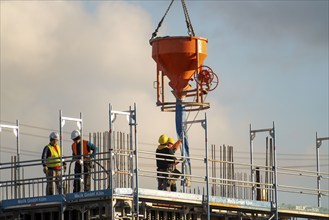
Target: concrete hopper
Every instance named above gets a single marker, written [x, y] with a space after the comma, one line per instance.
[179, 58]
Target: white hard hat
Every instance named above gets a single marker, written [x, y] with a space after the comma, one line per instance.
[54, 136]
[75, 134]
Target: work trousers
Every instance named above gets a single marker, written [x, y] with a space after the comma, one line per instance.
[53, 178]
[77, 176]
[165, 182]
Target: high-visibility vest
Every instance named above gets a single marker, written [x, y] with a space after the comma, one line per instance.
[85, 152]
[54, 159]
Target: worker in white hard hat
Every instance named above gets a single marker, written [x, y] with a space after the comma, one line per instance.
[52, 165]
[165, 163]
[87, 152]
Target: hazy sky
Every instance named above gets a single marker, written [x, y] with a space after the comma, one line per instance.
[79, 56]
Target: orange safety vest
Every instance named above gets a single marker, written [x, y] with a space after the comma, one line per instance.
[54, 159]
[86, 153]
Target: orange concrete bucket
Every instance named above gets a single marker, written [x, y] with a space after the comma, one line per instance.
[179, 58]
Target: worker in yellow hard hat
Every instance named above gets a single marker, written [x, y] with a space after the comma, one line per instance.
[165, 163]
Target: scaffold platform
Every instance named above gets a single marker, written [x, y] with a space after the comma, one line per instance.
[152, 204]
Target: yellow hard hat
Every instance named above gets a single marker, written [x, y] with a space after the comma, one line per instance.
[163, 139]
[171, 140]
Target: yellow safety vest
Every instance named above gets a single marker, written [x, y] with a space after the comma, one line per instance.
[54, 160]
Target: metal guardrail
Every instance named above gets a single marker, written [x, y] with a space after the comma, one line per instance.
[234, 187]
[34, 186]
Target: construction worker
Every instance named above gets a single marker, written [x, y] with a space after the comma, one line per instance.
[174, 146]
[52, 164]
[87, 151]
[165, 163]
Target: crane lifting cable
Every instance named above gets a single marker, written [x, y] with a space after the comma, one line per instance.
[187, 19]
[190, 30]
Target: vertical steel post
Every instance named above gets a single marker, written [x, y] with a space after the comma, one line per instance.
[272, 133]
[212, 168]
[271, 174]
[97, 143]
[224, 171]
[61, 155]
[204, 125]
[221, 176]
[215, 171]
[11, 177]
[318, 145]
[131, 158]
[252, 136]
[233, 174]
[82, 176]
[136, 162]
[111, 160]
[23, 189]
[18, 159]
[318, 178]
[15, 177]
[266, 170]
[60, 136]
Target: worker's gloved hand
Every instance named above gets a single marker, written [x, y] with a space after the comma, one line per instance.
[79, 162]
[45, 169]
[181, 160]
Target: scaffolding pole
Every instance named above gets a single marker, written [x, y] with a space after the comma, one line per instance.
[318, 143]
[206, 159]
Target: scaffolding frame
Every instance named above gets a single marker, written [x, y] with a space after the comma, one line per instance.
[62, 121]
[252, 135]
[132, 122]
